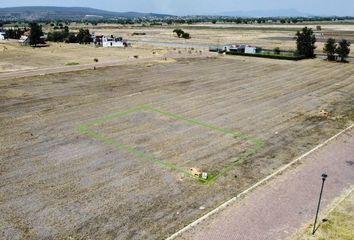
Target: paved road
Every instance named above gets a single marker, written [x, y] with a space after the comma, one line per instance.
[282, 206]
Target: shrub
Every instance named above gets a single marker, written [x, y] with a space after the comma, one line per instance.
[179, 32]
[276, 50]
[186, 35]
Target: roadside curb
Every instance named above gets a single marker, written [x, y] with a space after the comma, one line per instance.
[234, 199]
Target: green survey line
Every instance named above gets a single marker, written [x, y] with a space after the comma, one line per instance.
[113, 116]
[205, 125]
[136, 153]
[85, 129]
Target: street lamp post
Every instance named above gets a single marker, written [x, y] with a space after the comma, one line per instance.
[324, 176]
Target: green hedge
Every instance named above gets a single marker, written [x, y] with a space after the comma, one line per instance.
[272, 56]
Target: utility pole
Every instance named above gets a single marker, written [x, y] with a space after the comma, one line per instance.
[324, 176]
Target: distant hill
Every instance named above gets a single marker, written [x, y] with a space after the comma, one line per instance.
[67, 13]
[266, 13]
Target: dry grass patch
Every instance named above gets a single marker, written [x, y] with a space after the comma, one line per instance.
[338, 225]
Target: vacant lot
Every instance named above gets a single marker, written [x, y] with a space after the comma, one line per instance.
[264, 35]
[15, 57]
[58, 182]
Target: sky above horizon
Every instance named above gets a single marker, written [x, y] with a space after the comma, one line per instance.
[185, 7]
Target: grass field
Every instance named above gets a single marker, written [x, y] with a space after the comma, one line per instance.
[57, 182]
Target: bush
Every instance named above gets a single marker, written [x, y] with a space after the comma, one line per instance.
[71, 38]
[276, 50]
[186, 35]
[57, 36]
[72, 63]
[179, 32]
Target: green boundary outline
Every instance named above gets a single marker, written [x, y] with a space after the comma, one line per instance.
[85, 129]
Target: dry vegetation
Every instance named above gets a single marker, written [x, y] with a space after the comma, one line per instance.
[56, 182]
[339, 223]
[266, 35]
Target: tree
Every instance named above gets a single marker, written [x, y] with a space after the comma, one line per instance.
[214, 21]
[84, 36]
[343, 49]
[305, 42]
[179, 32]
[71, 38]
[36, 34]
[330, 49]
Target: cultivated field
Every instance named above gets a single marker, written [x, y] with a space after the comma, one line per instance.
[106, 153]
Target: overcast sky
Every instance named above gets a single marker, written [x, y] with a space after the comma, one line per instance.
[183, 7]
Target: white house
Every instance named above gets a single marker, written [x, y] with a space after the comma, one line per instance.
[113, 42]
[250, 50]
[24, 40]
[240, 49]
[2, 35]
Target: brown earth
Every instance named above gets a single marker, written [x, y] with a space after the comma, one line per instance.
[56, 182]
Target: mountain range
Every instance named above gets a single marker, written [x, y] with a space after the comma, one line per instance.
[267, 13]
[80, 13]
[67, 13]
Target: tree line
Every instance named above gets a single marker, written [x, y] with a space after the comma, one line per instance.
[64, 35]
[82, 37]
[306, 45]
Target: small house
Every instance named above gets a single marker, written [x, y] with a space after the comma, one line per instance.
[113, 42]
[241, 49]
[24, 40]
[250, 50]
[2, 35]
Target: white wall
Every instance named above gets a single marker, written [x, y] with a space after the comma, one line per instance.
[250, 50]
[2, 36]
[113, 43]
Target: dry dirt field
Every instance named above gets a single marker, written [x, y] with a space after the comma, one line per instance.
[14, 57]
[264, 35]
[117, 181]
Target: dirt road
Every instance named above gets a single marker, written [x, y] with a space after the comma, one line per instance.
[62, 69]
[278, 209]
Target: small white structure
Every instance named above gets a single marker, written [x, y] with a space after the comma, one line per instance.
[112, 42]
[240, 49]
[24, 40]
[2, 35]
[250, 50]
